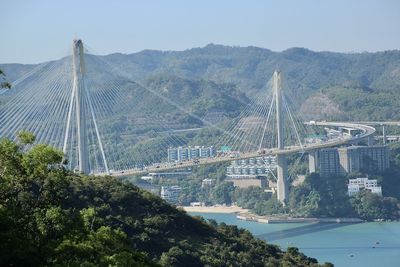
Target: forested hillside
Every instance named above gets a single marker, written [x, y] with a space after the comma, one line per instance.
[52, 217]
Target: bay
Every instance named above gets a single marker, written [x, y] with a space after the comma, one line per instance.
[365, 244]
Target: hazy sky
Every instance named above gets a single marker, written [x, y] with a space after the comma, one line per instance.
[38, 30]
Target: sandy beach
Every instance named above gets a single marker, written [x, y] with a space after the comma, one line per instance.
[215, 209]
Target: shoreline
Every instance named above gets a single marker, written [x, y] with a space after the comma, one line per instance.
[246, 215]
[288, 219]
[215, 209]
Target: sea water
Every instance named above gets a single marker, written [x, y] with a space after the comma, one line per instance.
[363, 244]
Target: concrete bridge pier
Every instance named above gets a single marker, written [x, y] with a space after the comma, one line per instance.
[282, 188]
[384, 135]
[281, 159]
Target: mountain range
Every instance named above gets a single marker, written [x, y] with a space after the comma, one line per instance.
[346, 83]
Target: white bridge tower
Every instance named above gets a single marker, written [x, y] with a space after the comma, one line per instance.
[80, 97]
[79, 92]
[280, 159]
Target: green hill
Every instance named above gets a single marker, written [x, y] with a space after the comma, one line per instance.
[249, 68]
[52, 217]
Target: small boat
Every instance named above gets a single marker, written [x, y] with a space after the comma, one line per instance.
[351, 255]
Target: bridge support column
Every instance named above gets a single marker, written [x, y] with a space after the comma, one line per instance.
[281, 184]
[79, 92]
[281, 159]
[384, 135]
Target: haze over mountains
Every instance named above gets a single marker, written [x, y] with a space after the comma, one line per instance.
[350, 86]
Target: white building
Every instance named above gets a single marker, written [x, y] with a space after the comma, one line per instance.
[355, 185]
[147, 178]
[170, 193]
[197, 204]
[177, 154]
[250, 168]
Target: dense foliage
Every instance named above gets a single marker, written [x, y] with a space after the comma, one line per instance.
[390, 179]
[321, 197]
[371, 206]
[271, 206]
[50, 216]
[327, 197]
[360, 103]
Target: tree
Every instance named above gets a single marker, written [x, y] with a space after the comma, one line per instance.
[319, 196]
[310, 206]
[41, 159]
[10, 159]
[248, 197]
[391, 177]
[269, 207]
[3, 82]
[370, 206]
[175, 257]
[26, 138]
[222, 193]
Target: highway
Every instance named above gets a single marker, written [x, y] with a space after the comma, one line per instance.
[366, 130]
[379, 123]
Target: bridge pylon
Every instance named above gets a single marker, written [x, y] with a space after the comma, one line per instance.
[282, 189]
[81, 112]
[79, 93]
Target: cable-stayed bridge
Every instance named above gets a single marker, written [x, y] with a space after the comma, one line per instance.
[81, 104]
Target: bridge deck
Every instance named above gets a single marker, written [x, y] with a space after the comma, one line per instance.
[163, 167]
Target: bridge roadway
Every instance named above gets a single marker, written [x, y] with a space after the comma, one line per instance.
[379, 123]
[367, 131]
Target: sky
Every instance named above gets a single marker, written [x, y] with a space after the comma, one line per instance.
[34, 31]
